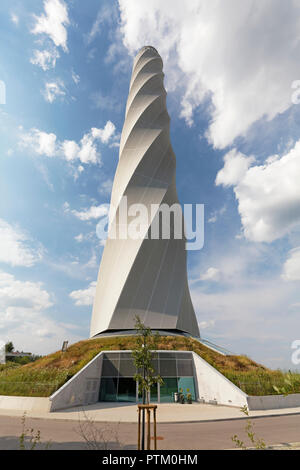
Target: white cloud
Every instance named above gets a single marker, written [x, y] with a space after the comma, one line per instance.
[12, 291]
[106, 187]
[93, 212]
[268, 195]
[216, 214]
[53, 90]
[24, 319]
[90, 236]
[14, 18]
[53, 22]
[86, 151]
[251, 310]
[14, 247]
[235, 167]
[45, 59]
[104, 134]
[79, 238]
[203, 325]
[241, 55]
[105, 14]
[75, 77]
[291, 268]
[70, 149]
[40, 142]
[84, 296]
[212, 274]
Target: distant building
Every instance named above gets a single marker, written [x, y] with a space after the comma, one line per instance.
[18, 354]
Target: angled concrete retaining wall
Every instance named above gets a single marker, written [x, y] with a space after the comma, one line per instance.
[82, 389]
[214, 387]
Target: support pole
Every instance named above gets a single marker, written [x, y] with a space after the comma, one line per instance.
[139, 430]
[148, 429]
[155, 437]
[141, 410]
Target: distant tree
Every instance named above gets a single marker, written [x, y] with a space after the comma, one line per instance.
[9, 347]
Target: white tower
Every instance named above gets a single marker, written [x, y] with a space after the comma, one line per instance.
[145, 277]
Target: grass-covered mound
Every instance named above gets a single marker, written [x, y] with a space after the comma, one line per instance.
[45, 375]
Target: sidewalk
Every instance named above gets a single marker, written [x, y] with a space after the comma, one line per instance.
[166, 413]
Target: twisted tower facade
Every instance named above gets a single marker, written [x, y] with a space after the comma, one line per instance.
[144, 276]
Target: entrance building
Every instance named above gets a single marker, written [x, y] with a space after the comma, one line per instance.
[117, 382]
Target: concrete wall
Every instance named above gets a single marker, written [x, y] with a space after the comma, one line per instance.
[273, 402]
[213, 387]
[24, 403]
[82, 389]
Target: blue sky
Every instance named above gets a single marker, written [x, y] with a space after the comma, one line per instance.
[229, 72]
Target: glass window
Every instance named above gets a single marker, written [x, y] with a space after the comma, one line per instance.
[127, 368]
[153, 394]
[187, 385]
[185, 368]
[168, 368]
[167, 389]
[110, 368]
[108, 389]
[127, 390]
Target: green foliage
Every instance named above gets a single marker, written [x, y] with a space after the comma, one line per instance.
[8, 365]
[291, 384]
[29, 438]
[9, 347]
[257, 443]
[18, 381]
[146, 343]
[265, 382]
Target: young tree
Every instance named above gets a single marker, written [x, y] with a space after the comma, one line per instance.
[143, 360]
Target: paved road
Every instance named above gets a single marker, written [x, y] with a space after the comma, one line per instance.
[209, 435]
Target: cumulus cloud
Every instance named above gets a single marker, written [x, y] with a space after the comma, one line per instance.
[24, 318]
[268, 195]
[86, 151]
[104, 134]
[93, 212]
[12, 291]
[53, 22]
[84, 296]
[291, 268]
[53, 90]
[15, 248]
[40, 142]
[240, 55]
[235, 167]
[52, 25]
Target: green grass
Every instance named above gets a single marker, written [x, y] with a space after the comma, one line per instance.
[45, 375]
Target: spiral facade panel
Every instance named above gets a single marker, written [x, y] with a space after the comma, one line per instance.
[144, 276]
